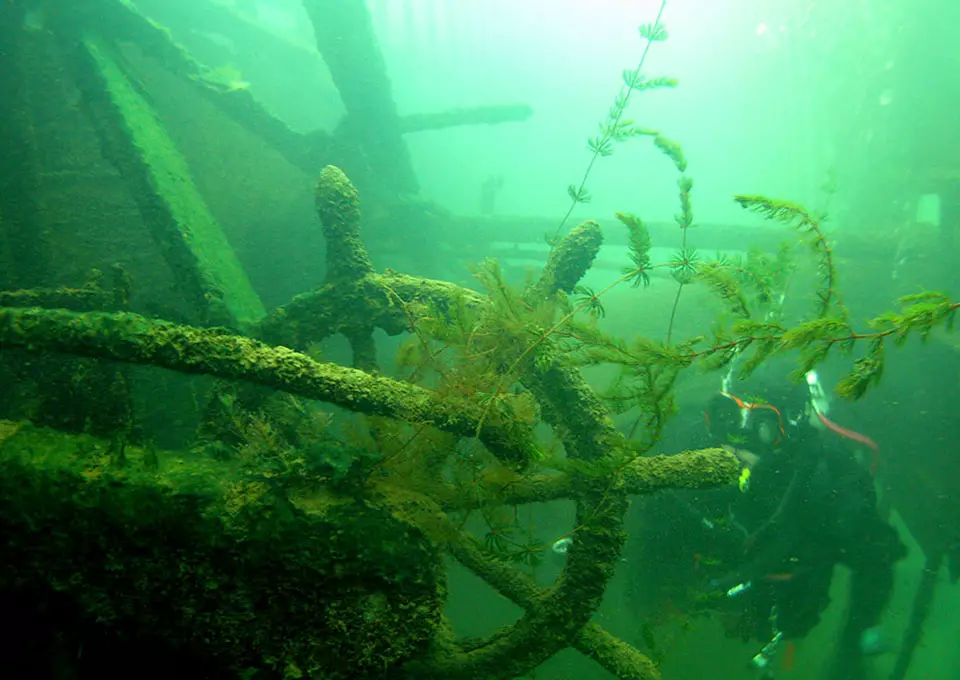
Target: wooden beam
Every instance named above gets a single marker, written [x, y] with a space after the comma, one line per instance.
[474, 115]
[21, 219]
[706, 237]
[121, 22]
[158, 179]
[346, 39]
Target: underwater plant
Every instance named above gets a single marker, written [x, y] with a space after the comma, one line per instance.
[615, 128]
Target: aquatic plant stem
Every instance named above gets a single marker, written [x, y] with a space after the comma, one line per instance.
[620, 111]
[673, 311]
[631, 274]
[676, 300]
[796, 216]
[543, 337]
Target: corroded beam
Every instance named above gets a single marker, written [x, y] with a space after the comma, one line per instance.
[135, 339]
[121, 22]
[474, 115]
[346, 39]
[159, 180]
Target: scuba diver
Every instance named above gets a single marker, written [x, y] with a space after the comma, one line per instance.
[765, 552]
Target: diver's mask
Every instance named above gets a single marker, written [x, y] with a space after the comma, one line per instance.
[749, 423]
[757, 423]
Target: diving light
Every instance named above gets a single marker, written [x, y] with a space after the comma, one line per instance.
[817, 394]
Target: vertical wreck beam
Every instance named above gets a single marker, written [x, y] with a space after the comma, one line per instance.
[347, 42]
[922, 601]
[19, 162]
[158, 178]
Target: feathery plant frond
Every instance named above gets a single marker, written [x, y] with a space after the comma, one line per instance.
[685, 219]
[919, 315]
[729, 277]
[615, 128]
[796, 216]
[588, 299]
[767, 275]
[648, 371]
[671, 150]
[654, 32]
[578, 195]
[635, 80]
[685, 263]
[683, 266]
[922, 312]
[638, 248]
[726, 287]
[867, 371]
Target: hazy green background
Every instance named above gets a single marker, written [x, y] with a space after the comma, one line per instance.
[767, 91]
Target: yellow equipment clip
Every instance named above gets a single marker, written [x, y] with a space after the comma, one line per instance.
[744, 482]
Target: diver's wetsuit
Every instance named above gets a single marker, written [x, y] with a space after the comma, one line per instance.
[809, 506]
